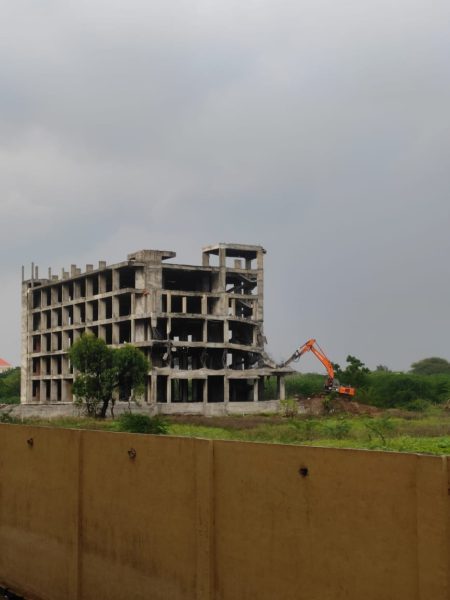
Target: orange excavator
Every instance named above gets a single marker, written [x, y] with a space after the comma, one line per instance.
[331, 384]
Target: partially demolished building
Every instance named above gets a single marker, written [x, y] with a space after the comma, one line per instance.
[200, 326]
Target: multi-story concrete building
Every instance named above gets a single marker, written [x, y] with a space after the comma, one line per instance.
[200, 326]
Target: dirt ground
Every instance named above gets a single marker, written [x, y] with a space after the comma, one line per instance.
[307, 408]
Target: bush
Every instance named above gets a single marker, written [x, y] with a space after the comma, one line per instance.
[338, 430]
[139, 423]
[289, 407]
[305, 385]
[389, 390]
[419, 405]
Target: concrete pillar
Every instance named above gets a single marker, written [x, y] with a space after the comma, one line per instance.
[226, 331]
[115, 280]
[169, 390]
[260, 281]
[226, 390]
[184, 304]
[205, 391]
[255, 390]
[115, 307]
[101, 283]
[53, 391]
[101, 310]
[26, 329]
[281, 388]
[204, 305]
[64, 391]
[153, 390]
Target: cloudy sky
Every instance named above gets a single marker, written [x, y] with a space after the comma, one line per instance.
[319, 129]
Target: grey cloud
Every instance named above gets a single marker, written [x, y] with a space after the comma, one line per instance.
[318, 129]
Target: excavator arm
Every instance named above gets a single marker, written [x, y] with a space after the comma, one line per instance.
[331, 385]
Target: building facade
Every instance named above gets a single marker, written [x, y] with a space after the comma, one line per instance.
[200, 326]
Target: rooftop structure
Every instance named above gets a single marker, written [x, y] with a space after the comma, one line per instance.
[4, 365]
[200, 326]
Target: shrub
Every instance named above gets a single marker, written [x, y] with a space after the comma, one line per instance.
[289, 407]
[419, 405]
[338, 430]
[139, 423]
[305, 385]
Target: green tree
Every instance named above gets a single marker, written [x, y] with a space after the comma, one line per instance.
[431, 366]
[355, 373]
[102, 371]
[10, 386]
[96, 377]
[132, 368]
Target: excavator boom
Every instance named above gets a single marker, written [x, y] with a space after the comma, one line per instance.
[332, 384]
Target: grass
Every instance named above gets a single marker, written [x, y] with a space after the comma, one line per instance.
[427, 433]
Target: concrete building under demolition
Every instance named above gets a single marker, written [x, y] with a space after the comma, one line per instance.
[200, 326]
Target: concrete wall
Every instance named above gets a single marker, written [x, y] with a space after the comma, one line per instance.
[197, 519]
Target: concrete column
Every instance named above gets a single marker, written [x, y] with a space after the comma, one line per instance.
[101, 310]
[205, 331]
[255, 390]
[226, 390]
[101, 283]
[139, 331]
[53, 391]
[223, 303]
[26, 328]
[115, 280]
[204, 305]
[260, 281]
[115, 333]
[153, 390]
[115, 307]
[281, 388]
[64, 391]
[205, 391]
[184, 304]
[169, 302]
[169, 390]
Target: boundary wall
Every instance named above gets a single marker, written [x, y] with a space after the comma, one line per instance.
[90, 515]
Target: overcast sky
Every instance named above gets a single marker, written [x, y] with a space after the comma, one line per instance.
[319, 129]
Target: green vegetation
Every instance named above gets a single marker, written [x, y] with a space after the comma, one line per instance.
[431, 366]
[406, 432]
[383, 389]
[138, 423]
[105, 373]
[10, 386]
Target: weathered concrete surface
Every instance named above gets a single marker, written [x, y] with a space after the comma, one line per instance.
[215, 409]
[210, 520]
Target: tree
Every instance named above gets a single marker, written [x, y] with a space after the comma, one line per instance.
[431, 366]
[103, 371]
[10, 386]
[354, 374]
[382, 369]
[132, 369]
